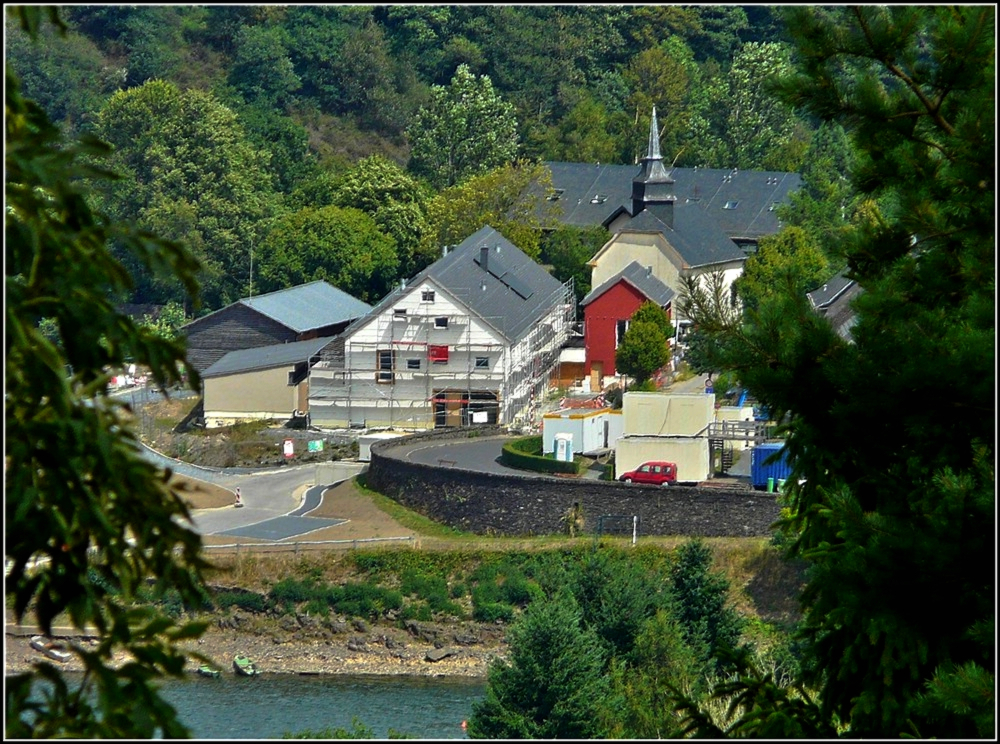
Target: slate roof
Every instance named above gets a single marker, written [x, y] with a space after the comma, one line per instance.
[511, 296]
[305, 307]
[592, 193]
[639, 277]
[695, 235]
[825, 295]
[266, 357]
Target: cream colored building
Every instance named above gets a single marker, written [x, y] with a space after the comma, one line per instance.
[268, 382]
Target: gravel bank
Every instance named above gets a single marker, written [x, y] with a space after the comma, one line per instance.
[304, 645]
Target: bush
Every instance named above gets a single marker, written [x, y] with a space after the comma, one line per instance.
[491, 612]
[294, 591]
[250, 601]
[363, 600]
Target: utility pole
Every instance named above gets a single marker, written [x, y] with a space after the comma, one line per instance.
[251, 268]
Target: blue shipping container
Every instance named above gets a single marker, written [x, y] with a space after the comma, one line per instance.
[760, 471]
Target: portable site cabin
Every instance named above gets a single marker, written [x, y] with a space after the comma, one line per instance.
[591, 430]
[691, 454]
[667, 414]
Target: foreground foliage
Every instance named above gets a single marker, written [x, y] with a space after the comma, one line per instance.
[893, 433]
[88, 519]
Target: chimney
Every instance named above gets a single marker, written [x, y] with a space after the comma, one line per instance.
[484, 257]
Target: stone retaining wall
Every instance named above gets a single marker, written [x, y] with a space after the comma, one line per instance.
[512, 505]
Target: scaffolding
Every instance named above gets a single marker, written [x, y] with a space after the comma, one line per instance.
[420, 368]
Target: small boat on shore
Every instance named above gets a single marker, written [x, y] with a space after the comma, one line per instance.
[207, 670]
[244, 667]
[49, 648]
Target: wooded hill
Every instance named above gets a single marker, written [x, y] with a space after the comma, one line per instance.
[351, 142]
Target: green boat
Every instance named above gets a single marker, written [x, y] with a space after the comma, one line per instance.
[244, 667]
[206, 670]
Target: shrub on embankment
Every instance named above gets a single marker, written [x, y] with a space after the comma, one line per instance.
[526, 454]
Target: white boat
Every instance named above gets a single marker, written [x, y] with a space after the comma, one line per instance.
[49, 648]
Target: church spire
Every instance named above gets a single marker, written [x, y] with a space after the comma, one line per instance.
[652, 188]
[653, 151]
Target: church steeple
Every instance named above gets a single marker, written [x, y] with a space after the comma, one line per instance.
[652, 188]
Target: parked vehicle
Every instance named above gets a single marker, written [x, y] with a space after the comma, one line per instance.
[207, 670]
[49, 648]
[244, 667]
[654, 473]
[761, 471]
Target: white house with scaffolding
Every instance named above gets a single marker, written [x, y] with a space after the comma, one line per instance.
[472, 339]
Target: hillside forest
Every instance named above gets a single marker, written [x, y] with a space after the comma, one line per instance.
[285, 144]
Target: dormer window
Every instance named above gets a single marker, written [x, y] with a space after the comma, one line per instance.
[599, 199]
[731, 205]
[555, 194]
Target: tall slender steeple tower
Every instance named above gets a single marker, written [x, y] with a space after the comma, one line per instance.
[653, 188]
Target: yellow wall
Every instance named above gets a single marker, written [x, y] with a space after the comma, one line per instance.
[667, 414]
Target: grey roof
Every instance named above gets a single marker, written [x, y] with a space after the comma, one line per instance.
[695, 235]
[639, 277]
[833, 300]
[825, 295]
[266, 357]
[512, 295]
[592, 193]
[308, 306]
[303, 308]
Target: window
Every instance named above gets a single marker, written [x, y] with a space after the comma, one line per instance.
[620, 327]
[399, 313]
[384, 362]
[441, 322]
[731, 205]
[482, 362]
[437, 354]
[427, 295]
[413, 364]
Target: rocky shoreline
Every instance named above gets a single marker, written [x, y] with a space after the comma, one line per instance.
[306, 645]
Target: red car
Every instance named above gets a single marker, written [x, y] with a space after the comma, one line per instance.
[654, 473]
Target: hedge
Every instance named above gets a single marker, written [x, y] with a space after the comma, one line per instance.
[526, 454]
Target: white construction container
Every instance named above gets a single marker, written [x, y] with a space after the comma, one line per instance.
[591, 430]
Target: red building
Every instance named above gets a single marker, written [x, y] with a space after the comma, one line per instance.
[606, 313]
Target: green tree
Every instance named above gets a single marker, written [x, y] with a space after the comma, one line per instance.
[659, 76]
[166, 322]
[702, 603]
[394, 199]
[760, 129]
[68, 77]
[662, 663]
[653, 313]
[789, 258]
[510, 199]
[895, 519]
[465, 129]
[262, 70]
[341, 245]
[826, 201]
[552, 684]
[88, 519]
[568, 248]
[616, 596]
[190, 174]
[641, 351]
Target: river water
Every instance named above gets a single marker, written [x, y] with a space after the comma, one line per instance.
[271, 705]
